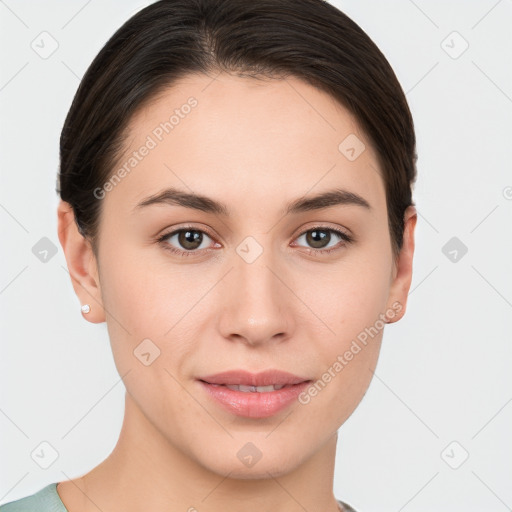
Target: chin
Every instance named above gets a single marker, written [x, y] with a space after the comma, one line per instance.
[261, 471]
[249, 463]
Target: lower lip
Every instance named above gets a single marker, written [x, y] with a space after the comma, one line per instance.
[254, 404]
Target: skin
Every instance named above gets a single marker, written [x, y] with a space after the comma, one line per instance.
[254, 145]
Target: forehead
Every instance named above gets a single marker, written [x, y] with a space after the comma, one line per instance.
[225, 135]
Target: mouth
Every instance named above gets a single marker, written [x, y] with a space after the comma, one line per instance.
[252, 395]
[248, 381]
[253, 389]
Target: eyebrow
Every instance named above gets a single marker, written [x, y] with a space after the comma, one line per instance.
[173, 196]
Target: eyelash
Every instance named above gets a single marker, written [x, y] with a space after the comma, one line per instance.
[344, 237]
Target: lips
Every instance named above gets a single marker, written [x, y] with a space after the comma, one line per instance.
[254, 395]
[252, 389]
[254, 380]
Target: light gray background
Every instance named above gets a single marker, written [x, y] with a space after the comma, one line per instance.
[444, 371]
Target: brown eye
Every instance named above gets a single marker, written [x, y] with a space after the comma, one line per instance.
[318, 240]
[185, 241]
[190, 239]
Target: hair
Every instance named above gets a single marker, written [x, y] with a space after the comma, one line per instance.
[308, 39]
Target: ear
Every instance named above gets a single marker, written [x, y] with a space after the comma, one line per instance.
[81, 262]
[402, 271]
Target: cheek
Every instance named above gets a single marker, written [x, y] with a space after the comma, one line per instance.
[135, 293]
[348, 299]
[131, 299]
[351, 302]
[346, 368]
[142, 305]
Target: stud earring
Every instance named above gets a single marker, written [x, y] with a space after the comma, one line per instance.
[86, 308]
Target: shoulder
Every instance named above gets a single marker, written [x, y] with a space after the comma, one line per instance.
[45, 500]
[345, 507]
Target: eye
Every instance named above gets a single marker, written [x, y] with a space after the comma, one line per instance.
[189, 241]
[319, 237]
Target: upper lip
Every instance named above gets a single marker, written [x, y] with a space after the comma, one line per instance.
[245, 378]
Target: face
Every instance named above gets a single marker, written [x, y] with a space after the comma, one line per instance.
[255, 276]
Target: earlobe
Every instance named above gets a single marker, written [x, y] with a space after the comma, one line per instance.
[81, 263]
[401, 283]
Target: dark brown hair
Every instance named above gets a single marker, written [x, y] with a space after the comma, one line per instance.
[308, 39]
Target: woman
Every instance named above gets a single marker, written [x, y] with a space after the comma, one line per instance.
[236, 205]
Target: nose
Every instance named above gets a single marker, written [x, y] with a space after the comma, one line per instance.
[256, 305]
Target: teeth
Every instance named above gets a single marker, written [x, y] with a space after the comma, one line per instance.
[255, 389]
